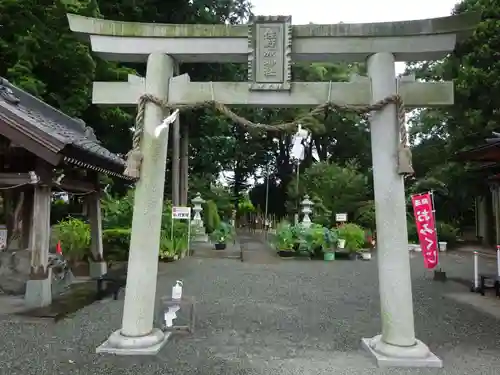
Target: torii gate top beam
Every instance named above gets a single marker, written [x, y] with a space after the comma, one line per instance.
[428, 39]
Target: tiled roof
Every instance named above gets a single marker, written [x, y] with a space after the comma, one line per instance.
[53, 123]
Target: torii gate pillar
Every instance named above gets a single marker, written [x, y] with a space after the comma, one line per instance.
[397, 345]
[137, 335]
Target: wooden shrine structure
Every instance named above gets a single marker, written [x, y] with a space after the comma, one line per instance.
[486, 160]
[42, 151]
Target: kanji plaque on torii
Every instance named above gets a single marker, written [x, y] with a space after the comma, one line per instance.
[269, 60]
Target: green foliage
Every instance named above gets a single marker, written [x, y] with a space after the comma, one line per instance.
[117, 211]
[245, 206]
[117, 221]
[353, 235]
[317, 239]
[284, 239]
[437, 134]
[166, 247]
[222, 233]
[447, 233]
[116, 243]
[172, 248]
[313, 240]
[221, 197]
[340, 188]
[39, 53]
[211, 216]
[412, 232]
[74, 235]
[61, 210]
[365, 215]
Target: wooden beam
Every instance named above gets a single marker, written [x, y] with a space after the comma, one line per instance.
[41, 232]
[66, 184]
[73, 185]
[14, 178]
[27, 218]
[303, 94]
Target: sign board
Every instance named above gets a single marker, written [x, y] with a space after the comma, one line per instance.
[425, 222]
[181, 213]
[269, 57]
[341, 217]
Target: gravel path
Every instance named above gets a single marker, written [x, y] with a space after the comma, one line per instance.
[293, 317]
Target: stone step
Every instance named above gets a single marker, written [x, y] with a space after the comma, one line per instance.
[207, 250]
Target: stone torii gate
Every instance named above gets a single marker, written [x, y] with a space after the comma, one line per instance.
[269, 48]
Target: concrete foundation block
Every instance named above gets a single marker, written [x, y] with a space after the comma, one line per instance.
[39, 292]
[97, 269]
[416, 356]
[145, 345]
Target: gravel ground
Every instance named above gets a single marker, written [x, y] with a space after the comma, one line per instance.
[293, 317]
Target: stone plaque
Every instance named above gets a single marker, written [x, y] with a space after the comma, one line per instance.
[269, 60]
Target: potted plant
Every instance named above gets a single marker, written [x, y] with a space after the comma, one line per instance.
[180, 247]
[316, 237]
[298, 233]
[74, 236]
[167, 251]
[303, 242]
[341, 243]
[284, 240]
[221, 235]
[354, 237]
[365, 254]
[330, 244]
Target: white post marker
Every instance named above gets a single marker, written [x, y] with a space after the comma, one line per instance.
[299, 141]
[476, 271]
[498, 260]
[181, 213]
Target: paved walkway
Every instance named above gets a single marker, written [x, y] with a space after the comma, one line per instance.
[255, 248]
[207, 250]
[286, 318]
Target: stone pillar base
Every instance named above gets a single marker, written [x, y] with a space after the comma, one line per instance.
[388, 355]
[200, 238]
[125, 345]
[199, 230]
[97, 269]
[39, 292]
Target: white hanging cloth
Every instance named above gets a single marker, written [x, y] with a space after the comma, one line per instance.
[300, 139]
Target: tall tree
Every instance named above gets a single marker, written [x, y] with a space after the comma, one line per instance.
[438, 134]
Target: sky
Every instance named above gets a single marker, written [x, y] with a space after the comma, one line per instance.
[352, 11]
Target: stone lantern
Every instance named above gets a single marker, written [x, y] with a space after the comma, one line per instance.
[307, 205]
[197, 222]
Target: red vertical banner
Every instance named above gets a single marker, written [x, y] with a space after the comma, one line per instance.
[426, 228]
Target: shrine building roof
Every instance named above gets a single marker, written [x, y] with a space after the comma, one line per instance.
[52, 135]
[486, 153]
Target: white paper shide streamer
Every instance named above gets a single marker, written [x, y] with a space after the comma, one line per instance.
[299, 141]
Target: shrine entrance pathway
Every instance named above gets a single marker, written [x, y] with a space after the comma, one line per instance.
[289, 317]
